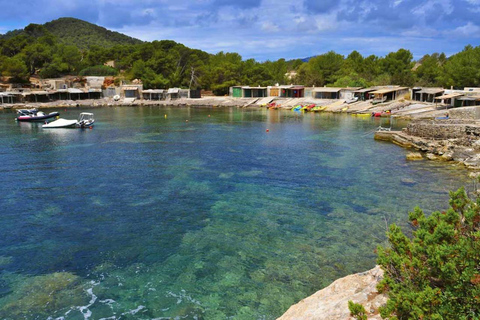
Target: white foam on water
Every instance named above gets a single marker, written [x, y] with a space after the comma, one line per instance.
[183, 296]
[134, 311]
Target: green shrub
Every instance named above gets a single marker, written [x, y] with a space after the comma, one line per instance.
[436, 273]
[357, 310]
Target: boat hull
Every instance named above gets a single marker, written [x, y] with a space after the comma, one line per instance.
[35, 118]
[61, 123]
[86, 124]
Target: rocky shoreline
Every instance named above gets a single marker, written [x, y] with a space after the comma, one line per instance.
[331, 303]
[452, 140]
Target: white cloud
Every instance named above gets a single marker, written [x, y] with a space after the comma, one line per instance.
[429, 6]
[326, 22]
[470, 30]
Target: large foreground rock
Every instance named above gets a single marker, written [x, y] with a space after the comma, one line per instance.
[331, 303]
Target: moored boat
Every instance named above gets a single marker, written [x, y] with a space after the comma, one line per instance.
[61, 123]
[85, 120]
[34, 115]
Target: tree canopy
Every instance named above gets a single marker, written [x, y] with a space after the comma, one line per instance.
[73, 47]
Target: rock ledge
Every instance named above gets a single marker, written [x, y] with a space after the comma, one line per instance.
[332, 302]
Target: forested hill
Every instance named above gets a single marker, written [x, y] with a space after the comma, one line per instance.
[82, 34]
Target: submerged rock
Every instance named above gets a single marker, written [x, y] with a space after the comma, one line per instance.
[408, 182]
[331, 303]
[413, 156]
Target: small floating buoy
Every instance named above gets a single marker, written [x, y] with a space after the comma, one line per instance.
[165, 116]
[209, 116]
[186, 120]
[91, 127]
[267, 130]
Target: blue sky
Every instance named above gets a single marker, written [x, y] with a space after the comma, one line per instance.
[272, 29]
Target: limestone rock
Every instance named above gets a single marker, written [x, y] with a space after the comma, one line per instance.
[447, 156]
[414, 156]
[408, 182]
[431, 156]
[331, 303]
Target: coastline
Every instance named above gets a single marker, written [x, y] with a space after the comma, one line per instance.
[400, 109]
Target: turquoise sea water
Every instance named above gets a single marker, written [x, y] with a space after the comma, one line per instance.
[151, 216]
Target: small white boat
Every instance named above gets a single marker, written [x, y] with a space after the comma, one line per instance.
[85, 120]
[61, 123]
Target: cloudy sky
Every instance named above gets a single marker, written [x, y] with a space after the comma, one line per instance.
[272, 29]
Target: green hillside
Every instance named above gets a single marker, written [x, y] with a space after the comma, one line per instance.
[71, 31]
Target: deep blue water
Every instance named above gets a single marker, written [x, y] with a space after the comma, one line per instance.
[151, 216]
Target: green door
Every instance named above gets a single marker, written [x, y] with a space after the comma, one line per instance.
[237, 92]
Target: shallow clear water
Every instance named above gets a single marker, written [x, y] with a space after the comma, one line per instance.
[148, 216]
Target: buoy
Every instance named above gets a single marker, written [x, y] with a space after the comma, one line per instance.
[165, 116]
[91, 127]
[186, 120]
[267, 130]
[209, 116]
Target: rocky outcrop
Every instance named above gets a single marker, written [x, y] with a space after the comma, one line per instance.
[331, 303]
[414, 156]
[464, 148]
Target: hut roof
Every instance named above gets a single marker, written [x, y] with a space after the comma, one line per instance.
[449, 96]
[153, 91]
[388, 90]
[431, 90]
[327, 89]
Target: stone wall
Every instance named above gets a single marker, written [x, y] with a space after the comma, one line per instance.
[444, 129]
[471, 113]
[437, 130]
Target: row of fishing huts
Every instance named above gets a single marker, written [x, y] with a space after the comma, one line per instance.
[377, 94]
[48, 90]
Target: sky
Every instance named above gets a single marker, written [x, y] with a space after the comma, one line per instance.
[272, 29]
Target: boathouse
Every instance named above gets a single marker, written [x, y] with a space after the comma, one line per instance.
[248, 92]
[286, 91]
[173, 93]
[36, 96]
[348, 92]
[364, 94]
[154, 94]
[447, 99]
[467, 101]
[254, 92]
[131, 90]
[326, 93]
[390, 93]
[426, 94]
[8, 98]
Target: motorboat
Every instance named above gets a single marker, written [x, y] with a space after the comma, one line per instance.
[351, 100]
[34, 115]
[61, 123]
[85, 120]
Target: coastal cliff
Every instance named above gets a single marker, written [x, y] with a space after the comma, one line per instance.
[331, 303]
